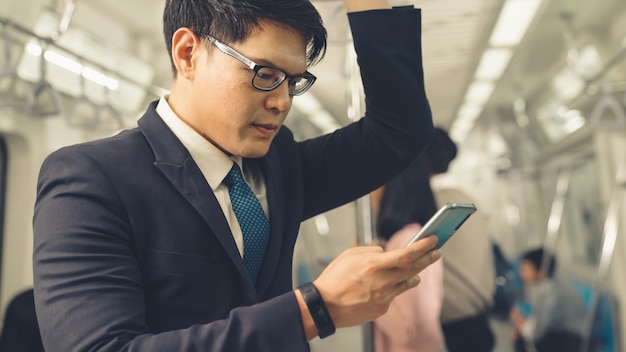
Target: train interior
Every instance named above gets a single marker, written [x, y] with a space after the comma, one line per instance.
[532, 91]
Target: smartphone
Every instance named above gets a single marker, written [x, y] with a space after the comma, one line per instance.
[445, 222]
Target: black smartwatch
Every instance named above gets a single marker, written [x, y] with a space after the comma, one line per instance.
[323, 322]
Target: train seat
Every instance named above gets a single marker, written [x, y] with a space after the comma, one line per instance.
[604, 329]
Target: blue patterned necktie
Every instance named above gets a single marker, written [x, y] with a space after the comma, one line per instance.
[254, 225]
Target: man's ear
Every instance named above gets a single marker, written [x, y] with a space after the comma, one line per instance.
[185, 48]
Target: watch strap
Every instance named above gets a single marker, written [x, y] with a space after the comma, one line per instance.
[323, 322]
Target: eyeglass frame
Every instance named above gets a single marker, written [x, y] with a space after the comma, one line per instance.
[256, 68]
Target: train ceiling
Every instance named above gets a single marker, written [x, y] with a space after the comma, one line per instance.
[455, 35]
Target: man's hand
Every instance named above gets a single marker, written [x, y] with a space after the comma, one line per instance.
[360, 283]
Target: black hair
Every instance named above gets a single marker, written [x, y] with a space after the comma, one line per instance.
[233, 20]
[536, 257]
[440, 151]
[406, 199]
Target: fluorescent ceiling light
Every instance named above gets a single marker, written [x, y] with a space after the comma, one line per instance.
[513, 22]
[558, 120]
[567, 85]
[479, 92]
[100, 78]
[588, 62]
[73, 66]
[572, 119]
[321, 224]
[464, 121]
[460, 130]
[469, 112]
[82, 43]
[33, 49]
[493, 63]
[63, 61]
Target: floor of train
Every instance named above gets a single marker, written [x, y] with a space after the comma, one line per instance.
[351, 339]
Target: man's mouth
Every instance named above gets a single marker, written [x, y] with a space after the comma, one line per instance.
[267, 130]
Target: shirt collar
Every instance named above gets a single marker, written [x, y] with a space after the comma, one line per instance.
[213, 162]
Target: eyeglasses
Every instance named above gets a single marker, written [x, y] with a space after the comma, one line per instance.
[267, 78]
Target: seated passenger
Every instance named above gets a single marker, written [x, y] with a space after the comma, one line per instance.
[20, 332]
[556, 316]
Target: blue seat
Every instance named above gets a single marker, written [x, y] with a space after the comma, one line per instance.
[603, 331]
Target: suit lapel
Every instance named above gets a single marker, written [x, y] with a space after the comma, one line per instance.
[274, 188]
[175, 162]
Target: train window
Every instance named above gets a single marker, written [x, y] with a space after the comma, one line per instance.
[104, 74]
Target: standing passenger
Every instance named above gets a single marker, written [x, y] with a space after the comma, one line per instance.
[468, 266]
[412, 322]
[138, 245]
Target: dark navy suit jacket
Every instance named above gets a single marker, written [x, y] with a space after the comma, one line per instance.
[132, 251]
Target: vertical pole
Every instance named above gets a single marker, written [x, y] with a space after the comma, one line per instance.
[611, 226]
[365, 235]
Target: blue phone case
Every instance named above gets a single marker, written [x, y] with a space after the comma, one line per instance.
[445, 222]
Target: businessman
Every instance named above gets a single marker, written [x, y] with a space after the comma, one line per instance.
[178, 235]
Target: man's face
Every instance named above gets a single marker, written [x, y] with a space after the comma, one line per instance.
[220, 102]
[528, 272]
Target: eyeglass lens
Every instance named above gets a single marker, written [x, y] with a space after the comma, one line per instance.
[268, 78]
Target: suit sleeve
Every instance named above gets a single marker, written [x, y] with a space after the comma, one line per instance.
[397, 125]
[89, 292]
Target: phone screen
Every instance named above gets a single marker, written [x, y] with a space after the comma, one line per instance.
[445, 222]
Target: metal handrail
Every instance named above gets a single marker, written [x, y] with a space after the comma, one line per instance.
[151, 89]
[554, 223]
[556, 215]
[611, 226]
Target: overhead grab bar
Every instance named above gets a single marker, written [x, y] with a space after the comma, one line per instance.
[14, 91]
[109, 118]
[45, 99]
[608, 105]
[64, 21]
[83, 112]
[151, 89]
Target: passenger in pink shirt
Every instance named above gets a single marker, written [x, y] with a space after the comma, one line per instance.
[412, 322]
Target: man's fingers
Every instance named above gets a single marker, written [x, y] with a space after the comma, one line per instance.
[407, 255]
[424, 245]
[399, 278]
[430, 257]
[405, 285]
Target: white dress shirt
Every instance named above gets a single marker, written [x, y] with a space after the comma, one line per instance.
[214, 165]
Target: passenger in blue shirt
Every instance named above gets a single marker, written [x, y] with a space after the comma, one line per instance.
[555, 318]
